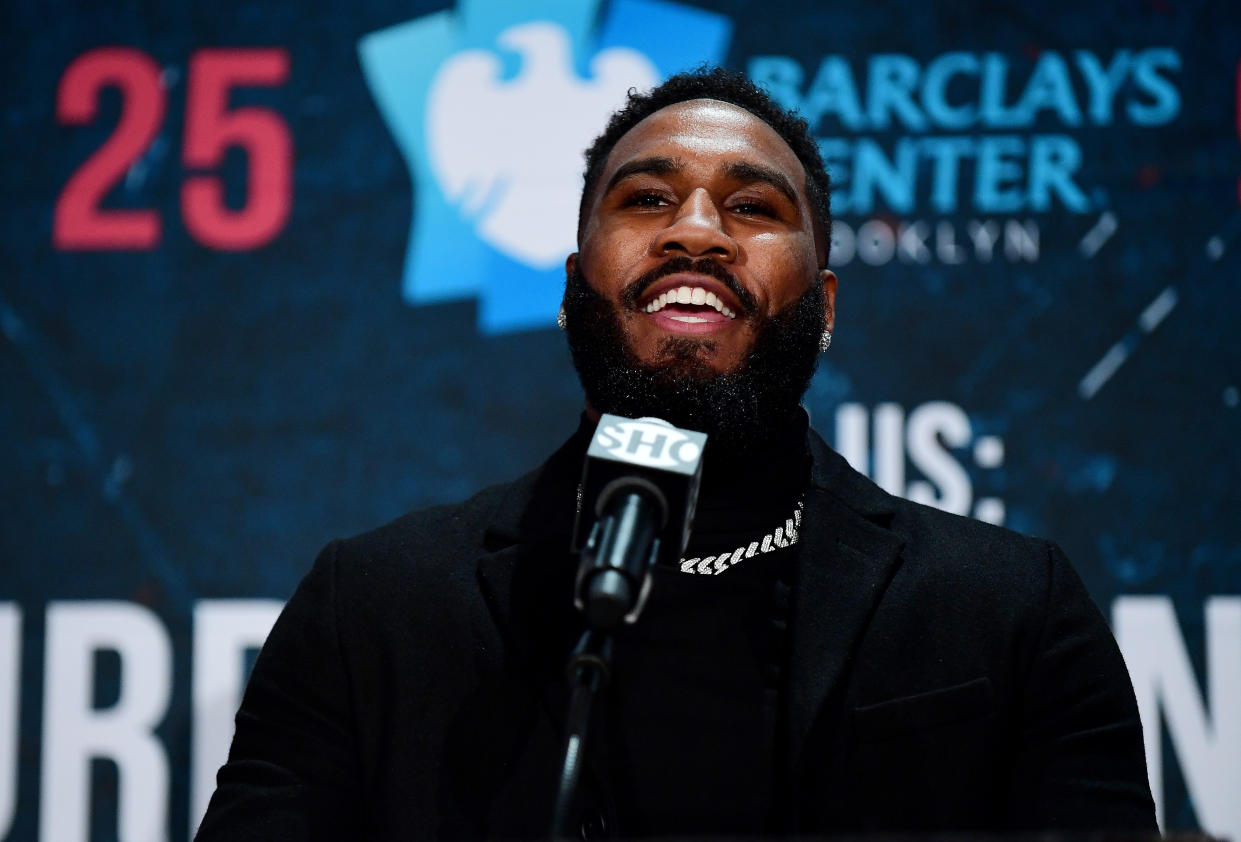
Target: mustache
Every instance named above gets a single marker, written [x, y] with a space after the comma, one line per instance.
[632, 293]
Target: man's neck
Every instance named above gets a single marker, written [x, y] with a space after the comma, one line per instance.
[775, 465]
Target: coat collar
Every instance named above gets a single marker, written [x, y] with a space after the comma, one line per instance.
[526, 573]
[846, 558]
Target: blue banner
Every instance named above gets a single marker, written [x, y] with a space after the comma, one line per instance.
[280, 273]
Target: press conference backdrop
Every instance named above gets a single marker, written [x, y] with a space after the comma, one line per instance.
[277, 272]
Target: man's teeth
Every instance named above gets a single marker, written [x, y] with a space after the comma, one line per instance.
[689, 295]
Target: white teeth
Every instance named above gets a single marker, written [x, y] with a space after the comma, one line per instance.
[689, 295]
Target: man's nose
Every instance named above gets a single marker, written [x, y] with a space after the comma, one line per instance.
[697, 230]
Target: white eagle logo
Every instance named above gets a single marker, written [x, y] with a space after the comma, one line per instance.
[508, 154]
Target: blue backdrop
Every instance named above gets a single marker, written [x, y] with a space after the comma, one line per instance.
[278, 272]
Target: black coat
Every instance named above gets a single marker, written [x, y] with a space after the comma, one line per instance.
[945, 674]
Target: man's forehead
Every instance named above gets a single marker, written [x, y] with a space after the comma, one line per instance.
[706, 129]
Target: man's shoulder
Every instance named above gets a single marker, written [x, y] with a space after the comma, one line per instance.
[423, 563]
[938, 543]
[979, 586]
[931, 531]
[459, 524]
[996, 571]
[519, 510]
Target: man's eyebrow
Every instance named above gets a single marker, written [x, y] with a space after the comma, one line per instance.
[744, 171]
[653, 166]
[748, 172]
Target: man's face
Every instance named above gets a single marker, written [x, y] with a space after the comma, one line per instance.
[701, 200]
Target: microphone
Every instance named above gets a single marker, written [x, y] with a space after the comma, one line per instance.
[639, 489]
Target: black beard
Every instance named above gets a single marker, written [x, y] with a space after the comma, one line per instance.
[738, 409]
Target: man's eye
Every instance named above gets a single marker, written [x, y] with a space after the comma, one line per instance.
[646, 200]
[752, 208]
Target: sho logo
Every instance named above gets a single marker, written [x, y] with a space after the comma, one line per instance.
[649, 442]
[491, 105]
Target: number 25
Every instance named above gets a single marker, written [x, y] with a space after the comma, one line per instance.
[211, 128]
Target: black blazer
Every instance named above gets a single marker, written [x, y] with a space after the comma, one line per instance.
[945, 674]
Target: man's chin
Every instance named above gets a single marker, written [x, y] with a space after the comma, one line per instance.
[698, 359]
[682, 383]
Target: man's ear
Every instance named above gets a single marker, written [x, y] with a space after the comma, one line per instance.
[828, 279]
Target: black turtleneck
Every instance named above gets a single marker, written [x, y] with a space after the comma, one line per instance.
[693, 714]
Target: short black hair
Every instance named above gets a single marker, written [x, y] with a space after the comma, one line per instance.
[725, 86]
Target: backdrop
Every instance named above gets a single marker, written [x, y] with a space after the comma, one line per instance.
[277, 272]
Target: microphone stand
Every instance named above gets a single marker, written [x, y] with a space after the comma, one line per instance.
[613, 582]
[589, 669]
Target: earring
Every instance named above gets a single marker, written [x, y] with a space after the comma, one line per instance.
[825, 341]
[561, 319]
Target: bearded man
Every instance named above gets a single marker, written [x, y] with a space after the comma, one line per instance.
[865, 663]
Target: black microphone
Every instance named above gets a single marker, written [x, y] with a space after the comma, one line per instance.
[639, 488]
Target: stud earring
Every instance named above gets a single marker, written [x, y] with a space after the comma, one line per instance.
[825, 341]
[561, 319]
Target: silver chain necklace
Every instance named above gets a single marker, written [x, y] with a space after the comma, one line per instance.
[713, 565]
[783, 536]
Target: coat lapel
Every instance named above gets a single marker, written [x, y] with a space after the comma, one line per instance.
[526, 571]
[846, 558]
[528, 588]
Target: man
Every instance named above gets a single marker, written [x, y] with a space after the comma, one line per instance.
[825, 658]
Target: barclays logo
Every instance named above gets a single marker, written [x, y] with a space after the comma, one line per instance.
[518, 187]
[491, 106]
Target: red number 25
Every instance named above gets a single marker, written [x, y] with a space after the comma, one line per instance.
[211, 129]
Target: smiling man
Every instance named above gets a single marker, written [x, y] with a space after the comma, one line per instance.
[825, 658]
[700, 292]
